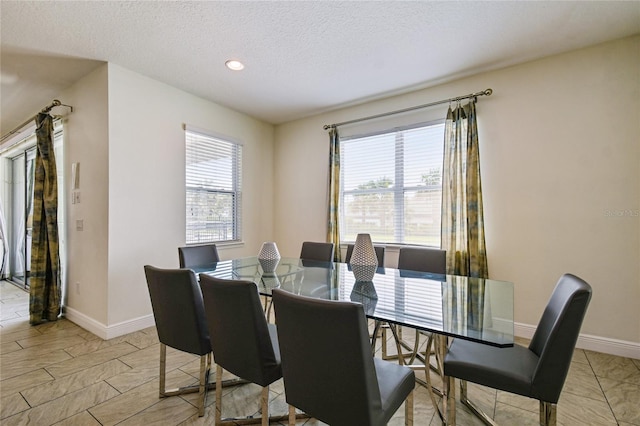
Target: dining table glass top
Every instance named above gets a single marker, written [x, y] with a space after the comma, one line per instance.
[475, 309]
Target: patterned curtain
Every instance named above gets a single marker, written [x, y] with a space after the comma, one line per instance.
[333, 228]
[462, 233]
[45, 262]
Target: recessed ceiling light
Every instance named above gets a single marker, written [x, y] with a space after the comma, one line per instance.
[234, 65]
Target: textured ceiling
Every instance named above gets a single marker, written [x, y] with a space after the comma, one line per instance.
[301, 58]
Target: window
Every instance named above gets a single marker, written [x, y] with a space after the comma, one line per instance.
[213, 188]
[391, 185]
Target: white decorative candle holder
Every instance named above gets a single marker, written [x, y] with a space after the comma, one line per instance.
[269, 257]
[364, 261]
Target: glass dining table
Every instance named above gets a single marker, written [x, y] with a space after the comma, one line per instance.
[445, 306]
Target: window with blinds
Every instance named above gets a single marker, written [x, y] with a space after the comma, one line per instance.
[391, 185]
[213, 188]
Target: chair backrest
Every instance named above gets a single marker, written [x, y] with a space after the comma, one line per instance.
[178, 309]
[555, 337]
[423, 259]
[322, 252]
[379, 254]
[197, 255]
[327, 365]
[239, 332]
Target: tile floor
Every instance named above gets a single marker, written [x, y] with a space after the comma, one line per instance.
[59, 374]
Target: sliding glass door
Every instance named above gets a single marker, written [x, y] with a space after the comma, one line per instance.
[19, 165]
[21, 216]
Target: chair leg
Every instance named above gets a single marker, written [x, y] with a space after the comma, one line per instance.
[384, 343]
[205, 365]
[201, 388]
[473, 407]
[548, 412]
[163, 368]
[449, 401]
[292, 415]
[218, 418]
[264, 419]
[408, 410]
[264, 402]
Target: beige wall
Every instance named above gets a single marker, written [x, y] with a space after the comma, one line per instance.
[126, 131]
[560, 154]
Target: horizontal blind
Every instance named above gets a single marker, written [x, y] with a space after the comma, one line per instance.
[213, 188]
[391, 185]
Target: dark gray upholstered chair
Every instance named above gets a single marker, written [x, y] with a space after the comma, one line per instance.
[537, 371]
[243, 342]
[379, 254]
[423, 259]
[190, 256]
[322, 252]
[327, 366]
[180, 320]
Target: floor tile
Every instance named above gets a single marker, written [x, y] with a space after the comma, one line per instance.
[81, 419]
[18, 334]
[165, 411]
[614, 367]
[21, 362]
[12, 404]
[62, 408]
[25, 381]
[49, 342]
[9, 347]
[82, 362]
[507, 414]
[578, 410]
[137, 399]
[624, 399]
[582, 382]
[49, 391]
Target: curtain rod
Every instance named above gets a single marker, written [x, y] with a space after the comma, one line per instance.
[487, 92]
[44, 110]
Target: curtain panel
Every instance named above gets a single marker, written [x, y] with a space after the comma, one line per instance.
[462, 233]
[333, 226]
[45, 293]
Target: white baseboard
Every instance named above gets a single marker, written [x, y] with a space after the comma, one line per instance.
[593, 343]
[108, 332]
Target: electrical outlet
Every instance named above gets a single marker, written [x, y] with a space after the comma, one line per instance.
[79, 225]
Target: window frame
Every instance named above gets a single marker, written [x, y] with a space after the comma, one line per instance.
[398, 188]
[235, 192]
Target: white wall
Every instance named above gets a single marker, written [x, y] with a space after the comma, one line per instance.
[126, 131]
[86, 141]
[560, 153]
